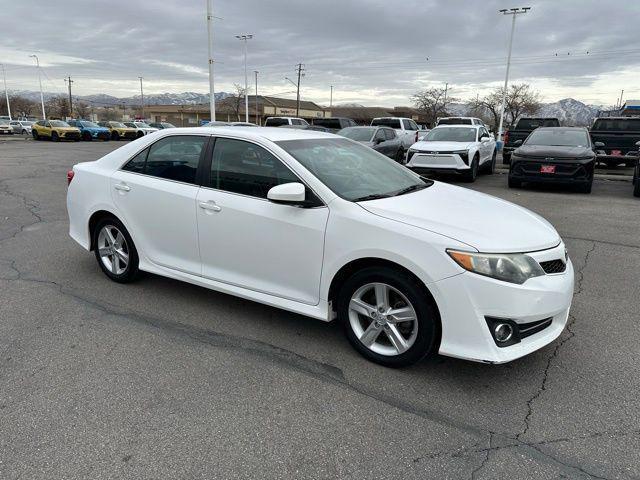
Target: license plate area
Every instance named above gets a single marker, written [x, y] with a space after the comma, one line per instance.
[616, 153]
[547, 169]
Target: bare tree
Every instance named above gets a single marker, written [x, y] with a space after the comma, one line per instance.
[521, 100]
[82, 109]
[57, 107]
[237, 101]
[433, 103]
[20, 107]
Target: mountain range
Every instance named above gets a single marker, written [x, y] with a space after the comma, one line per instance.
[570, 111]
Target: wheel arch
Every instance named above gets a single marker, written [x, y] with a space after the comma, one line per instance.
[93, 221]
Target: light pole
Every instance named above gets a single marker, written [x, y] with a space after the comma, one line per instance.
[513, 12]
[257, 121]
[6, 93]
[141, 98]
[245, 38]
[212, 98]
[44, 116]
[331, 97]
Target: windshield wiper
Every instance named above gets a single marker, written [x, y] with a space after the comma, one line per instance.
[411, 188]
[373, 196]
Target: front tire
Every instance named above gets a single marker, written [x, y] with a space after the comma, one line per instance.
[55, 137]
[471, 174]
[491, 166]
[387, 317]
[115, 251]
[636, 182]
[585, 187]
[35, 135]
[400, 156]
[514, 183]
[86, 136]
[506, 158]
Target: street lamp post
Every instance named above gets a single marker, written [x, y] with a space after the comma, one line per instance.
[245, 38]
[6, 92]
[141, 99]
[513, 12]
[257, 120]
[212, 98]
[44, 116]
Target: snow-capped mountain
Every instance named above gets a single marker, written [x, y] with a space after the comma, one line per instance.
[568, 110]
[103, 100]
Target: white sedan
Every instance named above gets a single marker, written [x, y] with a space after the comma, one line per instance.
[143, 128]
[463, 149]
[326, 227]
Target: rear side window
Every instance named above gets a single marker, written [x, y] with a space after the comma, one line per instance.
[617, 124]
[328, 122]
[389, 133]
[245, 168]
[276, 122]
[386, 122]
[173, 158]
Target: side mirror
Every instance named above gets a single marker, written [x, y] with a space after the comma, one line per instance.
[518, 142]
[637, 144]
[484, 139]
[600, 144]
[378, 140]
[288, 193]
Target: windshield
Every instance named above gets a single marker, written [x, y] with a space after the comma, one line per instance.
[118, 124]
[89, 124]
[351, 170]
[533, 123]
[26, 124]
[59, 123]
[359, 134]
[558, 137]
[617, 124]
[141, 125]
[451, 134]
[455, 121]
[386, 122]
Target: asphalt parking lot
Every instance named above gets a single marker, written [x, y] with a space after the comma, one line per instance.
[161, 379]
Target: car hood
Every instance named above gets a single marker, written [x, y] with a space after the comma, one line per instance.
[553, 151]
[66, 129]
[96, 129]
[486, 223]
[441, 146]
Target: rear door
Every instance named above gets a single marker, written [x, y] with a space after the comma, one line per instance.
[248, 241]
[155, 192]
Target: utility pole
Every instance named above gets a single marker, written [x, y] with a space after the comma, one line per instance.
[44, 116]
[331, 97]
[619, 102]
[300, 69]
[245, 38]
[514, 12]
[212, 98]
[258, 120]
[69, 82]
[141, 98]
[6, 93]
[446, 89]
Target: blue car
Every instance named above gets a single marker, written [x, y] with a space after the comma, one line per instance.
[90, 130]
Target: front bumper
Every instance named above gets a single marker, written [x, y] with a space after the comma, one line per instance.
[466, 300]
[437, 162]
[567, 171]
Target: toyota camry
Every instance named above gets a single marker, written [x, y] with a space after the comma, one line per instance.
[324, 226]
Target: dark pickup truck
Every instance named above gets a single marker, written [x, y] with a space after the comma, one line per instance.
[521, 130]
[615, 140]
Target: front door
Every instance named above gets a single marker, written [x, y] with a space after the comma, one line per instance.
[155, 192]
[248, 241]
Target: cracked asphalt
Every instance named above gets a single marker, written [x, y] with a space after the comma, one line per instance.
[161, 379]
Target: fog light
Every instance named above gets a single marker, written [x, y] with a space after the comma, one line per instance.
[503, 332]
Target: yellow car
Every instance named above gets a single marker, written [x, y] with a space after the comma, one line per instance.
[55, 130]
[120, 130]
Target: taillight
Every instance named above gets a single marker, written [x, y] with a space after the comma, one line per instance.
[506, 137]
[416, 140]
[69, 176]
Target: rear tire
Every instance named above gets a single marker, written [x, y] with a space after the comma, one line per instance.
[394, 343]
[471, 174]
[115, 136]
[140, 135]
[115, 251]
[86, 136]
[491, 166]
[636, 182]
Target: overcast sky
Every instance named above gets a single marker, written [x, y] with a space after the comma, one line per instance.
[373, 52]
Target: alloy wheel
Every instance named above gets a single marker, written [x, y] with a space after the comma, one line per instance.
[113, 249]
[383, 319]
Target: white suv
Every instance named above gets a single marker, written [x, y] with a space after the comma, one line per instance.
[462, 149]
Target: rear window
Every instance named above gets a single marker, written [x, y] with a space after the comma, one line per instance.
[276, 122]
[533, 123]
[617, 124]
[386, 122]
[455, 121]
[328, 122]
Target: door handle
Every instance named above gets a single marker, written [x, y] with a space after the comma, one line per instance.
[211, 206]
[122, 187]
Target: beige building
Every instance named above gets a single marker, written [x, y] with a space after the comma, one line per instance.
[232, 110]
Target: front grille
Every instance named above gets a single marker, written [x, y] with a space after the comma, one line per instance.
[528, 329]
[553, 266]
[72, 135]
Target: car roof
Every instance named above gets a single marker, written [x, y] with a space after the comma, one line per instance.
[584, 129]
[458, 126]
[275, 134]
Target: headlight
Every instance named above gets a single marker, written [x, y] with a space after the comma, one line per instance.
[513, 268]
[464, 155]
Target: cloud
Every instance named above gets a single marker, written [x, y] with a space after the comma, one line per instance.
[371, 51]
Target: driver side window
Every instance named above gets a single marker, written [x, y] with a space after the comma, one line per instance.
[379, 136]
